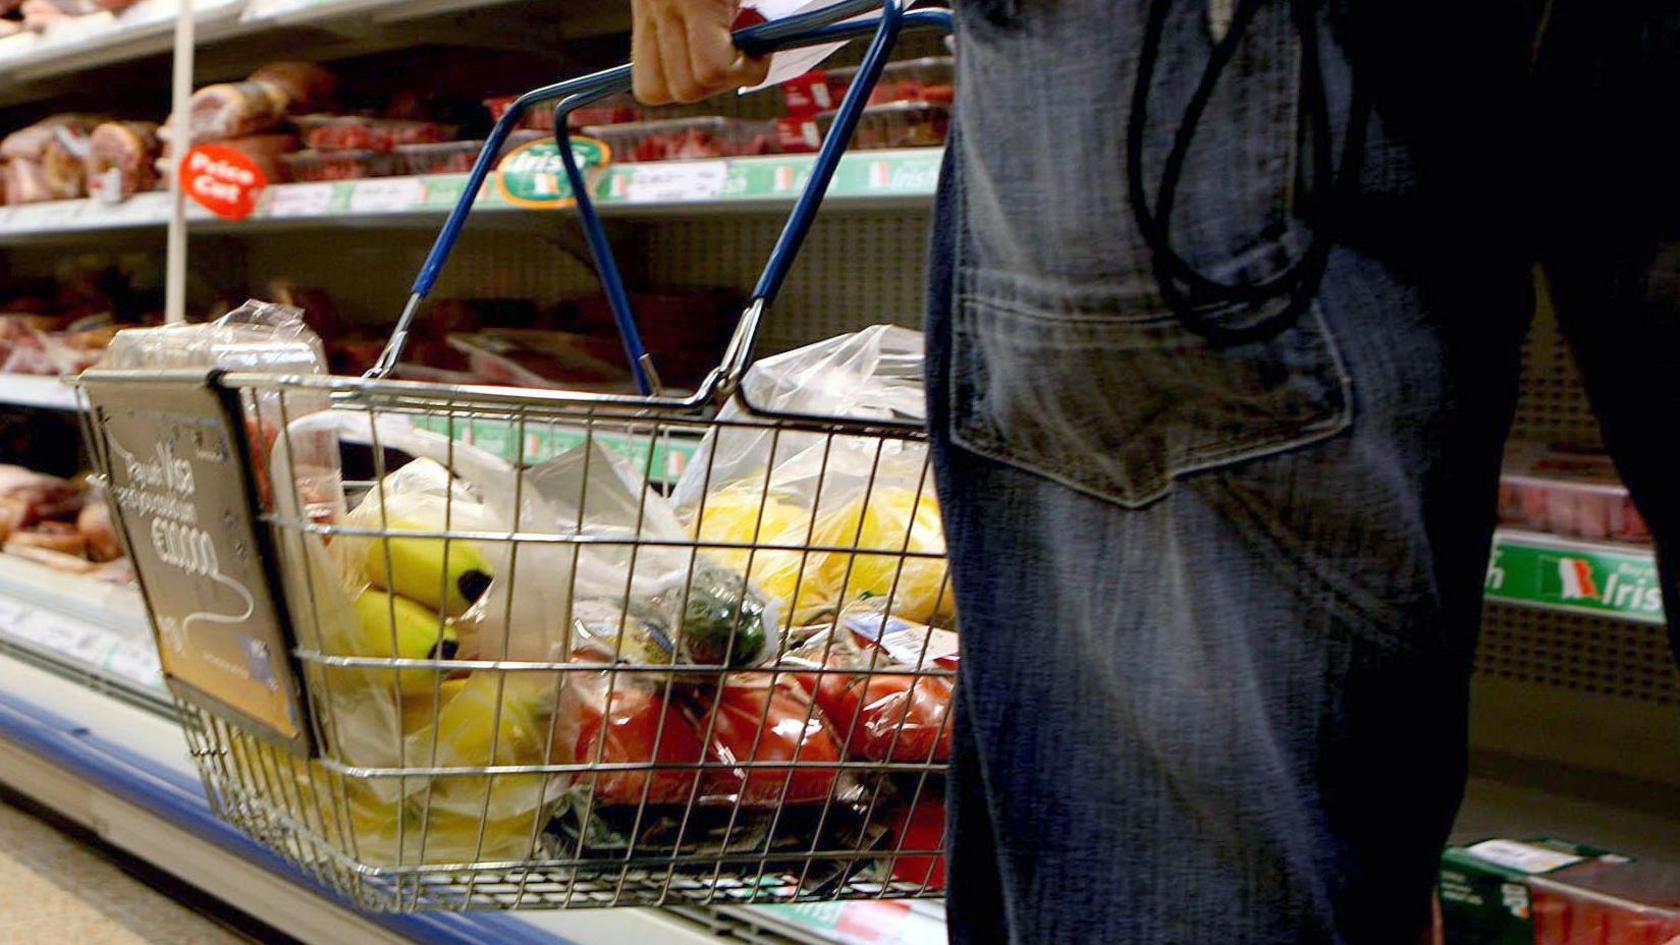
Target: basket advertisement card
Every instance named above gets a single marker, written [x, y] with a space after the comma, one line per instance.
[181, 487]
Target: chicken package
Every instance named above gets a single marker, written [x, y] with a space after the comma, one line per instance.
[821, 520]
[121, 159]
[262, 337]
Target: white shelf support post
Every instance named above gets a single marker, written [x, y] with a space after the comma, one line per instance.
[175, 270]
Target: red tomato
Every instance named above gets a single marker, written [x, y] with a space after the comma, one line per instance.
[910, 709]
[633, 736]
[920, 828]
[792, 731]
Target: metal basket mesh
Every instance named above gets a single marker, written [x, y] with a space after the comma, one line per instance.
[597, 664]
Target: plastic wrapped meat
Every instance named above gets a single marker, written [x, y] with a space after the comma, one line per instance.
[45, 161]
[121, 159]
[305, 86]
[24, 182]
[234, 109]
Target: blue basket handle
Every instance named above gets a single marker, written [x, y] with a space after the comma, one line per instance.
[808, 29]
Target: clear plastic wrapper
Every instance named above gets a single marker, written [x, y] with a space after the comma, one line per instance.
[255, 337]
[339, 165]
[884, 695]
[447, 157]
[897, 125]
[774, 744]
[680, 139]
[1574, 493]
[865, 505]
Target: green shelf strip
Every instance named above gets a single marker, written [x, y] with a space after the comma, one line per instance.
[1561, 574]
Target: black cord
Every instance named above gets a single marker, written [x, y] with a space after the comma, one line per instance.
[1203, 304]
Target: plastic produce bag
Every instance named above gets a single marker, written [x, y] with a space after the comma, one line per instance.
[708, 614]
[257, 337]
[783, 492]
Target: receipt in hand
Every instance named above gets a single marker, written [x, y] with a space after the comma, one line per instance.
[797, 62]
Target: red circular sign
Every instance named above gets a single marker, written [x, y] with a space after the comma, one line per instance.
[222, 180]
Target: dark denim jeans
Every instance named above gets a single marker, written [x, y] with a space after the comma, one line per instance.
[1219, 603]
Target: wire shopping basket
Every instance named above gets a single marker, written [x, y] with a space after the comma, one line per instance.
[438, 673]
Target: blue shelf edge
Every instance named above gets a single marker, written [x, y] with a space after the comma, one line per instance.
[178, 799]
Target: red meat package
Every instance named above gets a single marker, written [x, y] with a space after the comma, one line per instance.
[1555, 892]
[884, 683]
[1567, 491]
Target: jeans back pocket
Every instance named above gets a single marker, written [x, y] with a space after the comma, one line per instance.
[1106, 392]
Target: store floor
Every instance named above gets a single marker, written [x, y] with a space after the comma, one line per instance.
[60, 884]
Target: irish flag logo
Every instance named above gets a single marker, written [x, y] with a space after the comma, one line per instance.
[1567, 578]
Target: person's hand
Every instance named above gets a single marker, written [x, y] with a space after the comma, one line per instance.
[680, 51]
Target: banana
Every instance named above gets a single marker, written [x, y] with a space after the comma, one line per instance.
[396, 627]
[418, 709]
[447, 579]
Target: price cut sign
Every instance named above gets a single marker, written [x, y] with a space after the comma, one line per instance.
[222, 180]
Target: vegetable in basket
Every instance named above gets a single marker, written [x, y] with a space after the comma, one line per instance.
[765, 722]
[637, 727]
[881, 708]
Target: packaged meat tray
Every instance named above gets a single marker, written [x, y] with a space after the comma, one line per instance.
[359, 133]
[445, 157]
[1547, 891]
[1575, 493]
[932, 80]
[340, 165]
[897, 125]
[615, 110]
[678, 139]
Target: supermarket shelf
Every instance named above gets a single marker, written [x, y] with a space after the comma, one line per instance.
[1576, 575]
[30, 61]
[86, 42]
[98, 630]
[125, 774]
[28, 390]
[865, 180]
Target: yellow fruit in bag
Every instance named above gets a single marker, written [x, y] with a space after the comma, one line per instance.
[744, 513]
[419, 709]
[894, 520]
[392, 627]
[471, 733]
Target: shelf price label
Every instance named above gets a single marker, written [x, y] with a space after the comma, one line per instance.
[676, 181]
[301, 200]
[387, 195]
